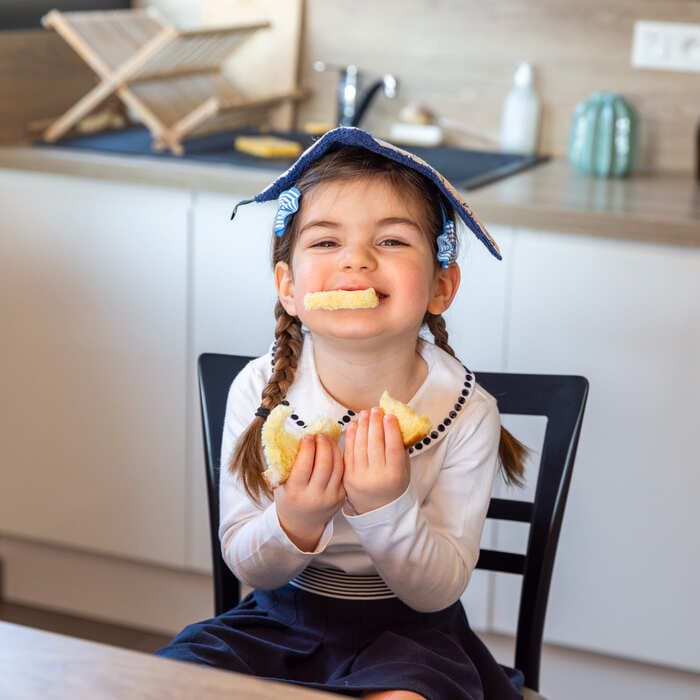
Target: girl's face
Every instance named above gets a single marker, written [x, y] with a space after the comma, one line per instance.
[359, 233]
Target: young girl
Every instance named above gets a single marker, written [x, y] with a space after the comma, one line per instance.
[359, 559]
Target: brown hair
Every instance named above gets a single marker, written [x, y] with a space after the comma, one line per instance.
[342, 164]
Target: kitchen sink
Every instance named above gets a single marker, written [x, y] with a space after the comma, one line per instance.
[464, 168]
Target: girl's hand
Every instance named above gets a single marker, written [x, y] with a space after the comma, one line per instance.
[377, 468]
[313, 493]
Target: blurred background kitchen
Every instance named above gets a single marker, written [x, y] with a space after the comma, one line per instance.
[120, 266]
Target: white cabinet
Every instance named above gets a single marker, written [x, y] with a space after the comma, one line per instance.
[232, 311]
[476, 321]
[627, 316]
[476, 326]
[94, 336]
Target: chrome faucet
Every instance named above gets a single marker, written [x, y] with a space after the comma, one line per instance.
[352, 107]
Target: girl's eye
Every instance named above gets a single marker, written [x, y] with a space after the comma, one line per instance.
[391, 242]
[323, 244]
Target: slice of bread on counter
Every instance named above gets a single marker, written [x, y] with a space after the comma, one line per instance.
[267, 146]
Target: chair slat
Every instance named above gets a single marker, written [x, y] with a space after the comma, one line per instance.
[506, 562]
[509, 509]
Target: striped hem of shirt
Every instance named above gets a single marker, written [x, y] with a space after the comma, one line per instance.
[339, 584]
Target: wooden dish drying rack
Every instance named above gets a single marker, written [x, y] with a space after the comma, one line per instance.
[169, 78]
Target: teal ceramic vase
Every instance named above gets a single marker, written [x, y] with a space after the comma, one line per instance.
[604, 136]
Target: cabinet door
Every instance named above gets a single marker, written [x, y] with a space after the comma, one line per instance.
[233, 298]
[476, 319]
[627, 316]
[475, 324]
[93, 296]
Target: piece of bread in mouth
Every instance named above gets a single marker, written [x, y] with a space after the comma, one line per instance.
[280, 447]
[413, 427]
[341, 299]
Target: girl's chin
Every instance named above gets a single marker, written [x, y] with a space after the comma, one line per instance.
[346, 328]
[354, 328]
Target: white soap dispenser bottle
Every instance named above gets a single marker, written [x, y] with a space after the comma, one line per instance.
[520, 121]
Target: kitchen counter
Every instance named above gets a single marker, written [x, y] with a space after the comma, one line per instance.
[660, 208]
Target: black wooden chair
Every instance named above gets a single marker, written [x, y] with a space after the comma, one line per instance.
[561, 399]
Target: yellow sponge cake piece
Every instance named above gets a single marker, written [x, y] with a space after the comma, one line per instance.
[280, 447]
[341, 299]
[324, 425]
[267, 146]
[413, 427]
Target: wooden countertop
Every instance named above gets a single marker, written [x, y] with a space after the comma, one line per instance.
[38, 665]
[659, 208]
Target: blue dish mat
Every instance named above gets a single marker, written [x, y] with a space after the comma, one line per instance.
[464, 168]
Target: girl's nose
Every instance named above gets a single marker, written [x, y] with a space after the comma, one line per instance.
[358, 257]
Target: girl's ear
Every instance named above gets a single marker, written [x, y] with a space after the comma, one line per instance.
[445, 287]
[285, 287]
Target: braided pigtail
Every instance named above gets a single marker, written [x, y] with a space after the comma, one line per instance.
[248, 460]
[511, 452]
[436, 325]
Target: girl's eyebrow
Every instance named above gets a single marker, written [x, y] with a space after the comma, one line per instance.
[325, 223]
[398, 220]
[388, 221]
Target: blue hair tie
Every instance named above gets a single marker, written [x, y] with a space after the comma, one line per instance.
[288, 205]
[447, 241]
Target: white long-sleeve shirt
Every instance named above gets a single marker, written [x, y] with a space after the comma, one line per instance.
[424, 544]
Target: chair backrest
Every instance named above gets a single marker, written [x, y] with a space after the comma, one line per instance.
[216, 372]
[561, 399]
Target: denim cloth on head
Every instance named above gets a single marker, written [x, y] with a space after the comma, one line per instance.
[352, 136]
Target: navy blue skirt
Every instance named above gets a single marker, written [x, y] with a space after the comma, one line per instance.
[348, 647]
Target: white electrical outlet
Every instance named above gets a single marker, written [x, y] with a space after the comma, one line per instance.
[666, 46]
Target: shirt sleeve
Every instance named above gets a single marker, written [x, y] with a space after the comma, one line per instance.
[253, 543]
[426, 552]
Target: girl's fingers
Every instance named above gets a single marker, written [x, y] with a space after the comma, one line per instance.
[375, 437]
[360, 448]
[338, 469]
[349, 448]
[304, 463]
[394, 446]
[323, 463]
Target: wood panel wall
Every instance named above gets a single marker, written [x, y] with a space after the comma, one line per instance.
[457, 56]
[40, 77]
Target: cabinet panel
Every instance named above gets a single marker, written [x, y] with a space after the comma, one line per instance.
[233, 298]
[93, 296]
[475, 323]
[476, 319]
[627, 316]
